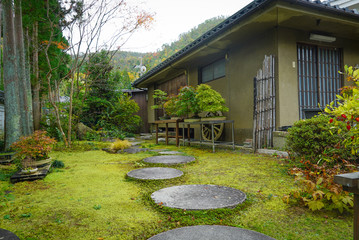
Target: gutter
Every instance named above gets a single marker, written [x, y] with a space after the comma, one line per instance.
[232, 20]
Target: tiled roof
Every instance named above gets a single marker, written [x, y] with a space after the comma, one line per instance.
[232, 20]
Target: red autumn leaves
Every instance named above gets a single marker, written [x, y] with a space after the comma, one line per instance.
[343, 118]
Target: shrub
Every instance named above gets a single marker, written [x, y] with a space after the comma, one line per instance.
[120, 145]
[36, 146]
[316, 187]
[313, 140]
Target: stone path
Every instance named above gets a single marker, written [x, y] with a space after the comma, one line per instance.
[198, 197]
[169, 159]
[170, 152]
[210, 232]
[155, 173]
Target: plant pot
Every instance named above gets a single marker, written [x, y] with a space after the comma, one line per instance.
[192, 120]
[29, 171]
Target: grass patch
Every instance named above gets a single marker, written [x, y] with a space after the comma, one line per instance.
[91, 198]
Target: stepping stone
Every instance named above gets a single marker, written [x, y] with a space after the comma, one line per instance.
[5, 234]
[210, 232]
[155, 173]
[169, 159]
[133, 150]
[170, 152]
[198, 197]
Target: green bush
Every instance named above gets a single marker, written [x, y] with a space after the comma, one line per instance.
[314, 140]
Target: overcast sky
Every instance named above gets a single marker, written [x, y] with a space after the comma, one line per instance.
[173, 17]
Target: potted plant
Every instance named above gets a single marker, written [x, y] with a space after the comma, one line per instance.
[210, 101]
[160, 99]
[170, 106]
[187, 103]
[33, 150]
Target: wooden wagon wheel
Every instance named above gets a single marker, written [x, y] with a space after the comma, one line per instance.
[217, 128]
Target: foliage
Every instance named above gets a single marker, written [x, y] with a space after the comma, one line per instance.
[57, 164]
[347, 113]
[312, 140]
[160, 99]
[209, 100]
[120, 145]
[187, 103]
[170, 105]
[317, 189]
[36, 147]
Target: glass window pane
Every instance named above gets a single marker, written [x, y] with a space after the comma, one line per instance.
[219, 69]
[207, 73]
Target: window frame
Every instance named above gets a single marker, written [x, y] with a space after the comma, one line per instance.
[212, 66]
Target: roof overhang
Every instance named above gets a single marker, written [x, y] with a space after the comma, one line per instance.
[257, 17]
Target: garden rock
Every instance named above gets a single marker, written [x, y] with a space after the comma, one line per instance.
[133, 150]
[81, 130]
[146, 137]
[155, 173]
[169, 159]
[169, 152]
[210, 232]
[199, 197]
[7, 235]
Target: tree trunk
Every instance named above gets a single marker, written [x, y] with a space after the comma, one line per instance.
[12, 111]
[24, 88]
[37, 83]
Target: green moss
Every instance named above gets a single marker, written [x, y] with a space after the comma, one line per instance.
[65, 205]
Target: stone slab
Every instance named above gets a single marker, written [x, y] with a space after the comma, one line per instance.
[199, 197]
[170, 153]
[169, 159]
[133, 150]
[210, 232]
[7, 235]
[273, 152]
[155, 173]
[40, 174]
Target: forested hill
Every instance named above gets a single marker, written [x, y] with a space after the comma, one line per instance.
[127, 60]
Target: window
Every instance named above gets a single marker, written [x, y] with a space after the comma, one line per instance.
[213, 71]
[319, 80]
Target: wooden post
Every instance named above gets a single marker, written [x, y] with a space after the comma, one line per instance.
[156, 133]
[166, 133]
[189, 134]
[356, 217]
[177, 134]
[350, 182]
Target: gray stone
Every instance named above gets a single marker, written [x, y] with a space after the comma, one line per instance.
[81, 130]
[146, 137]
[136, 143]
[272, 152]
[155, 173]
[161, 139]
[169, 152]
[131, 139]
[198, 197]
[210, 232]
[7, 235]
[169, 159]
[133, 150]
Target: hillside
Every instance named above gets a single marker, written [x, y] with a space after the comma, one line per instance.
[126, 61]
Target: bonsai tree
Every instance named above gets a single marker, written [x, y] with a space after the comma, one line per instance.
[33, 148]
[187, 103]
[170, 106]
[160, 99]
[209, 100]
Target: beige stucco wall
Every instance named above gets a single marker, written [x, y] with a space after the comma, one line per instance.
[243, 60]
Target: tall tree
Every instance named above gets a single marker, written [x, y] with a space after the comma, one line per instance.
[23, 75]
[11, 81]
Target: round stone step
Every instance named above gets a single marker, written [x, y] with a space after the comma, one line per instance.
[5, 234]
[170, 152]
[198, 197]
[210, 232]
[155, 173]
[169, 159]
